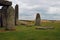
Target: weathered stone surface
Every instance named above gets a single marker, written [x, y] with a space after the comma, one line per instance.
[16, 15]
[2, 13]
[5, 3]
[10, 18]
[4, 16]
[38, 19]
[7, 15]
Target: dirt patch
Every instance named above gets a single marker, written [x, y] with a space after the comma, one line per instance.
[2, 31]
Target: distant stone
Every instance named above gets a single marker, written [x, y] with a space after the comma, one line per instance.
[38, 20]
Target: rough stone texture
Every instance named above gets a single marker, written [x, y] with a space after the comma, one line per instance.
[4, 16]
[7, 15]
[16, 15]
[38, 19]
[10, 18]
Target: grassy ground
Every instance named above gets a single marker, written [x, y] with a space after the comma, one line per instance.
[30, 33]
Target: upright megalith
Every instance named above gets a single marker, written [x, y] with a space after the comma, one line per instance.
[10, 18]
[0, 18]
[4, 16]
[16, 14]
[38, 20]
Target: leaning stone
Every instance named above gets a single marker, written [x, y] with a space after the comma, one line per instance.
[38, 20]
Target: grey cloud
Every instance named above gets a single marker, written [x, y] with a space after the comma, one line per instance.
[43, 5]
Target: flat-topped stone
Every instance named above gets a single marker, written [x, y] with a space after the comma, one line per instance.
[5, 3]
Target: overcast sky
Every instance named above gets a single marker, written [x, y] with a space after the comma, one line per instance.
[48, 9]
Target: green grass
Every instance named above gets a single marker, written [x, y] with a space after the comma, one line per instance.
[30, 33]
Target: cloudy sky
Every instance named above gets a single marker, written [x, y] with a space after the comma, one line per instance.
[48, 9]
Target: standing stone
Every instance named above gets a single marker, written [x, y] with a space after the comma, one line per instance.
[38, 20]
[4, 16]
[16, 15]
[10, 18]
[0, 19]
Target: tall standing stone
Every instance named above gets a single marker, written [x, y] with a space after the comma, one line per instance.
[38, 20]
[4, 16]
[0, 18]
[16, 15]
[10, 18]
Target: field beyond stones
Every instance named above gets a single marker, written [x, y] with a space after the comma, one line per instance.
[29, 32]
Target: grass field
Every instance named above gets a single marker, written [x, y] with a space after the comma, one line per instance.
[30, 33]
